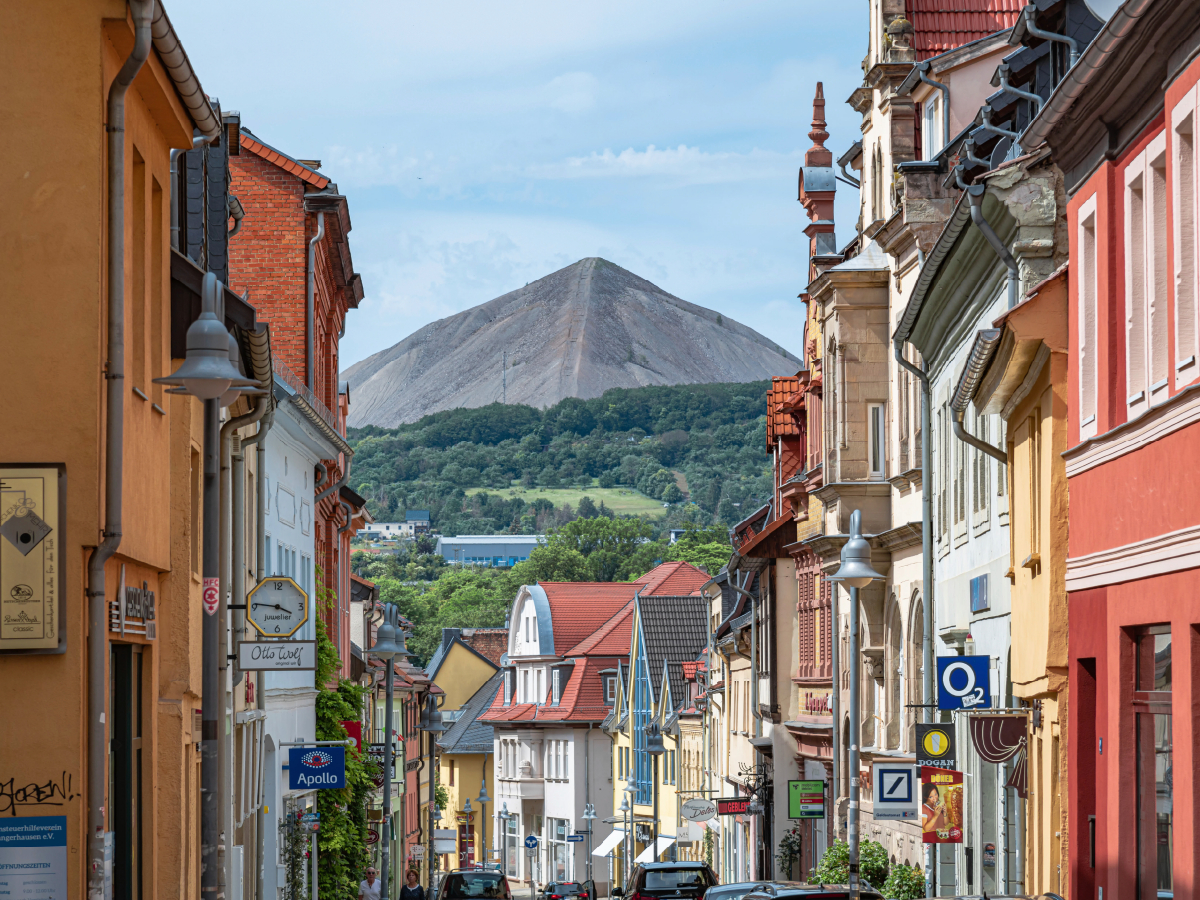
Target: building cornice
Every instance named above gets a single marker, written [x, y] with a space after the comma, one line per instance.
[1178, 412]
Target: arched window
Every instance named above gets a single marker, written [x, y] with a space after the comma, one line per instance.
[913, 666]
[893, 673]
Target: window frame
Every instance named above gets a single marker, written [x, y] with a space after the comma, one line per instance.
[1088, 304]
[1185, 348]
[877, 439]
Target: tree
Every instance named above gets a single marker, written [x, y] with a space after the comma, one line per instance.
[586, 508]
[671, 493]
[607, 544]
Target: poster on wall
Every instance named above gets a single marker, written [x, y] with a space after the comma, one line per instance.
[941, 806]
[33, 857]
[32, 509]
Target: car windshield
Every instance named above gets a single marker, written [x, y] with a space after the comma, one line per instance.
[566, 887]
[474, 884]
[730, 892]
[670, 879]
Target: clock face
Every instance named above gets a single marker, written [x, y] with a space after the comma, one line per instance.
[277, 607]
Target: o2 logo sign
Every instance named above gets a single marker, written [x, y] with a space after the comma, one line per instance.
[321, 768]
[964, 682]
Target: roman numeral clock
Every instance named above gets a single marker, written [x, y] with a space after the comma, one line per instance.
[277, 607]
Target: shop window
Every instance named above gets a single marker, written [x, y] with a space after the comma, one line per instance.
[1183, 124]
[1088, 345]
[1153, 763]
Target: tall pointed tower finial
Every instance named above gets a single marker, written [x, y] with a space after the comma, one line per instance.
[817, 154]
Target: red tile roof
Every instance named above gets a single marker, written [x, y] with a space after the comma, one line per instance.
[612, 637]
[271, 155]
[942, 25]
[780, 421]
[579, 608]
[672, 579]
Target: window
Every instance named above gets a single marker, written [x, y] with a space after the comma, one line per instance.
[512, 845]
[979, 594]
[451, 767]
[1146, 278]
[1088, 344]
[981, 470]
[197, 506]
[1152, 740]
[508, 687]
[610, 690]
[932, 126]
[876, 432]
[558, 849]
[556, 689]
[1183, 124]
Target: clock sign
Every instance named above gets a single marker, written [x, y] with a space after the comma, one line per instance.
[277, 607]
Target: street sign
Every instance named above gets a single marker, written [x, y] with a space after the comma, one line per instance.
[372, 836]
[733, 806]
[894, 791]
[806, 799]
[964, 682]
[531, 842]
[322, 768]
[277, 656]
[530, 852]
[697, 810]
[935, 746]
[575, 838]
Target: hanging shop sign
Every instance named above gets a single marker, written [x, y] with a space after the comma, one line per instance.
[935, 746]
[277, 607]
[378, 753]
[964, 682]
[894, 791]
[316, 768]
[277, 656]
[697, 810]
[733, 806]
[372, 836]
[941, 806]
[806, 799]
[33, 503]
[132, 610]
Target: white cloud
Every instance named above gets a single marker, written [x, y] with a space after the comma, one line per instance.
[690, 165]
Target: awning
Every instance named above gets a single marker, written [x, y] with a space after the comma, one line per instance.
[664, 841]
[607, 845]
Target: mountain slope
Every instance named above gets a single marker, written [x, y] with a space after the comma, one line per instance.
[575, 333]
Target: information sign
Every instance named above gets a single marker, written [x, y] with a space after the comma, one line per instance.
[894, 793]
[806, 799]
[33, 857]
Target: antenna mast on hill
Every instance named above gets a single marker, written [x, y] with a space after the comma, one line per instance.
[504, 379]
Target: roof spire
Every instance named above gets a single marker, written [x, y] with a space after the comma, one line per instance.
[817, 154]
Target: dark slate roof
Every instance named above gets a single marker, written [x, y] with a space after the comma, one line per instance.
[468, 735]
[675, 630]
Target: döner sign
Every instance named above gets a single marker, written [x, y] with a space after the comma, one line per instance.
[276, 656]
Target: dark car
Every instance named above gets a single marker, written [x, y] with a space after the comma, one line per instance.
[473, 884]
[564, 890]
[798, 890]
[735, 891]
[674, 880]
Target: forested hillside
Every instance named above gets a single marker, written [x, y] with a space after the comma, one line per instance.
[699, 448]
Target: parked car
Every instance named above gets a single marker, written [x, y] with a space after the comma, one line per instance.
[564, 890]
[735, 891]
[796, 890]
[676, 880]
[473, 884]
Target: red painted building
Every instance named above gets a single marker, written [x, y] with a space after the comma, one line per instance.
[1123, 128]
[293, 241]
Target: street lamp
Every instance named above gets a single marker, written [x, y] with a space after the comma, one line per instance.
[388, 648]
[504, 815]
[630, 800]
[656, 748]
[625, 810]
[589, 814]
[856, 572]
[431, 724]
[483, 799]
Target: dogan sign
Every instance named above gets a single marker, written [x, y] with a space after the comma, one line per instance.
[316, 768]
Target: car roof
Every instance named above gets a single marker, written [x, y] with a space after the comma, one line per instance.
[680, 864]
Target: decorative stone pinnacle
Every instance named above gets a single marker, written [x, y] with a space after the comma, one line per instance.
[817, 155]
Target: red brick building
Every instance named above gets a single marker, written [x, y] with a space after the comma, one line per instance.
[1123, 128]
[291, 252]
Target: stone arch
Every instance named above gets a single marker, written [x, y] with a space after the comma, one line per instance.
[894, 671]
[914, 665]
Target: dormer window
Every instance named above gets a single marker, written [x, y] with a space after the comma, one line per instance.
[508, 686]
[556, 686]
[610, 690]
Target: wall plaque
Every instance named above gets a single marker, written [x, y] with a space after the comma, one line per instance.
[32, 595]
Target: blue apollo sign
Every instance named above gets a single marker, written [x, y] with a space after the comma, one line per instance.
[316, 768]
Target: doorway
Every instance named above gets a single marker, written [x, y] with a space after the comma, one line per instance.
[125, 769]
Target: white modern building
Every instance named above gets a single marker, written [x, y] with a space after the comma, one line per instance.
[488, 549]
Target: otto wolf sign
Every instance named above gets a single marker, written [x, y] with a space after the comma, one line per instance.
[320, 768]
[964, 682]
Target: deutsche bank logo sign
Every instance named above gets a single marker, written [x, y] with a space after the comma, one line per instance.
[964, 682]
[894, 792]
[317, 768]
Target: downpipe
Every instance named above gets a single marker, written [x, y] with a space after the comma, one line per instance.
[1030, 13]
[922, 69]
[975, 194]
[926, 562]
[114, 447]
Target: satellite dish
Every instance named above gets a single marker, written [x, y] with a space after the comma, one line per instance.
[1103, 9]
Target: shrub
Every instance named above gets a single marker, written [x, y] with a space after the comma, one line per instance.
[834, 867]
[904, 883]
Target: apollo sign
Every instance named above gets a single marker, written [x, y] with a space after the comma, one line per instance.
[316, 768]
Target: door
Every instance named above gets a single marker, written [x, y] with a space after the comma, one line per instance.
[125, 770]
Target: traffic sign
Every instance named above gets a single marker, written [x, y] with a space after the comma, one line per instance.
[895, 791]
[531, 842]
[575, 838]
[935, 746]
[964, 682]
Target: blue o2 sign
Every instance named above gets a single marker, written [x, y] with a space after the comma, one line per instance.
[316, 768]
[964, 682]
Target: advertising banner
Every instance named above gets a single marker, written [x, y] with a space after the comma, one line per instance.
[733, 806]
[964, 682]
[935, 746]
[316, 768]
[941, 806]
[894, 791]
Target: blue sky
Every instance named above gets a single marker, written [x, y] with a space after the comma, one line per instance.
[483, 145]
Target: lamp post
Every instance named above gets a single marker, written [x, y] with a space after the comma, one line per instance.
[483, 800]
[388, 648]
[431, 724]
[656, 748]
[467, 812]
[631, 792]
[589, 815]
[856, 572]
[504, 815]
[625, 809]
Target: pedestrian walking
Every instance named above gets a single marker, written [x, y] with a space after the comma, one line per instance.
[369, 888]
[412, 889]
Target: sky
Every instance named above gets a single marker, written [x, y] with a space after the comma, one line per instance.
[483, 145]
